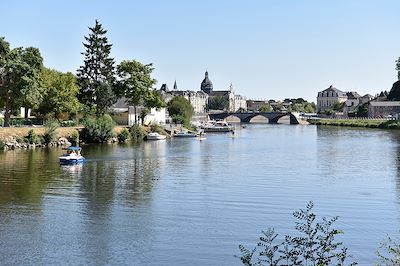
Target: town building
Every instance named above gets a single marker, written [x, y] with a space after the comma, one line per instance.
[198, 99]
[383, 109]
[353, 100]
[124, 114]
[236, 102]
[255, 105]
[328, 97]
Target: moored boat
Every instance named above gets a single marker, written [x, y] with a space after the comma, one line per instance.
[185, 134]
[218, 126]
[72, 156]
[155, 136]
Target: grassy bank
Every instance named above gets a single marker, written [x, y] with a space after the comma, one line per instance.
[7, 133]
[369, 123]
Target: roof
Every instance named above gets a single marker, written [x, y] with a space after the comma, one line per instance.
[353, 95]
[72, 148]
[339, 92]
[368, 96]
[385, 103]
[219, 93]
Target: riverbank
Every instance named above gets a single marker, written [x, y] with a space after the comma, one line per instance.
[15, 137]
[368, 123]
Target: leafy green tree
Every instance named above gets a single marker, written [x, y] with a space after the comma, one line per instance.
[19, 78]
[265, 108]
[180, 110]
[337, 106]
[135, 83]
[96, 76]
[315, 244]
[218, 103]
[59, 93]
[398, 68]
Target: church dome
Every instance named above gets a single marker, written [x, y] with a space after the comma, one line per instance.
[206, 84]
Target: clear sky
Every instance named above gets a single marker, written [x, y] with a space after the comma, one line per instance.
[267, 48]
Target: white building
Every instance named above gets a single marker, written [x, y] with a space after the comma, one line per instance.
[198, 99]
[124, 114]
[328, 97]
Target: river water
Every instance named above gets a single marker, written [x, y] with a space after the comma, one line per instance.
[190, 202]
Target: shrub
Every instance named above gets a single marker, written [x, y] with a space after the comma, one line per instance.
[315, 245]
[124, 135]
[389, 252]
[98, 130]
[2, 145]
[137, 132]
[69, 123]
[74, 138]
[50, 132]
[157, 128]
[1, 122]
[31, 138]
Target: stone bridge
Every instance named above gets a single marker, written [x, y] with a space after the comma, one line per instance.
[272, 117]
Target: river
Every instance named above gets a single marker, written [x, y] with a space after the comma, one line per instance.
[190, 202]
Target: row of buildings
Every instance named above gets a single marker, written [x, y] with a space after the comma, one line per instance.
[350, 102]
[200, 99]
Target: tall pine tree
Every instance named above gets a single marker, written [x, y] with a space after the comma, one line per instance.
[96, 76]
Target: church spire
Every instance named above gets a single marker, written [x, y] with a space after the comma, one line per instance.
[175, 86]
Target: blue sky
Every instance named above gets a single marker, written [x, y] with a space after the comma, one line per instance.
[267, 49]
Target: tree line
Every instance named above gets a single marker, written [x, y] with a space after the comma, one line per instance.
[99, 82]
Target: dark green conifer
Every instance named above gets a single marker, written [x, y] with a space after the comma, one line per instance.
[96, 76]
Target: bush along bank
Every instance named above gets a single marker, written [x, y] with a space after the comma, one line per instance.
[37, 137]
[368, 123]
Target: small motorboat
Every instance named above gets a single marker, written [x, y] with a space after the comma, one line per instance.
[217, 126]
[155, 136]
[72, 156]
[185, 134]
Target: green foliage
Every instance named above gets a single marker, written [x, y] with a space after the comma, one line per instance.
[1, 122]
[74, 138]
[157, 128]
[98, 130]
[124, 135]
[265, 108]
[96, 76]
[316, 244]
[32, 138]
[394, 94]
[328, 112]
[137, 132]
[50, 132]
[59, 92]
[2, 145]
[135, 83]
[19, 75]
[69, 123]
[218, 103]
[143, 113]
[337, 106]
[398, 68]
[362, 110]
[389, 252]
[180, 110]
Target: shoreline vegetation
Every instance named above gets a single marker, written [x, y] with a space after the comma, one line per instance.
[357, 122]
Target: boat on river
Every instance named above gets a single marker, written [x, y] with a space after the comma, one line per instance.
[218, 126]
[185, 134]
[72, 156]
[155, 136]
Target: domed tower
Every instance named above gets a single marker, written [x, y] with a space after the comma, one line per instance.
[206, 84]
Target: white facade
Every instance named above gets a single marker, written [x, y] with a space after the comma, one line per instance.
[327, 98]
[155, 117]
[197, 99]
[240, 103]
